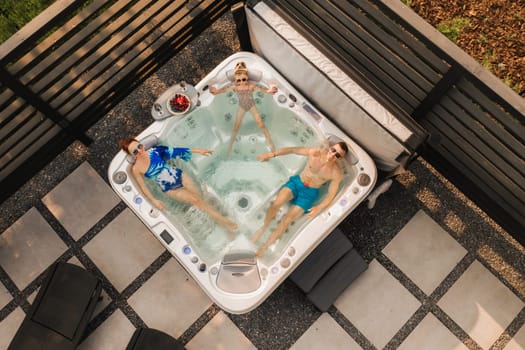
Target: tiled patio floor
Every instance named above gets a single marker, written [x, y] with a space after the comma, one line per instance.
[423, 291]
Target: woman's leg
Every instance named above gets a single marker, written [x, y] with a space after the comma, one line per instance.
[185, 195]
[261, 125]
[236, 127]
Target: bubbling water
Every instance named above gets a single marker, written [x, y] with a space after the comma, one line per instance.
[240, 187]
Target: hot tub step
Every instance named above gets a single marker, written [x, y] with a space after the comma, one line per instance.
[327, 253]
[340, 276]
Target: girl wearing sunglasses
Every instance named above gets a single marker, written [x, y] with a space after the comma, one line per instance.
[244, 90]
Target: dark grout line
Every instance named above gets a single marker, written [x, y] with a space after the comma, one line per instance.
[454, 328]
[199, 324]
[102, 223]
[141, 279]
[510, 331]
[429, 303]
[349, 328]
[399, 275]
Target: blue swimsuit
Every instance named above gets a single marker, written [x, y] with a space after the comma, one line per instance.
[168, 177]
[303, 196]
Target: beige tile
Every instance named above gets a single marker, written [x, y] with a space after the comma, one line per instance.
[113, 334]
[518, 341]
[170, 300]
[5, 296]
[431, 334]
[480, 304]
[31, 298]
[424, 252]
[9, 326]
[123, 249]
[377, 304]
[325, 334]
[222, 333]
[81, 200]
[29, 247]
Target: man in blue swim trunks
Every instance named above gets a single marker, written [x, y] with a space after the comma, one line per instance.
[171, 180]
[303, 189]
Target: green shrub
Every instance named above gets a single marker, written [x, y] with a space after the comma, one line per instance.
[14, 14]
[451, 28]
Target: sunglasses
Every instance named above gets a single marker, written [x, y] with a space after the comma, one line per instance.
[241, 79]
[337, 154]
[136, 149]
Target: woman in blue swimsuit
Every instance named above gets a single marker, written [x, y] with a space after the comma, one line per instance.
[173, 181]
[244, 90]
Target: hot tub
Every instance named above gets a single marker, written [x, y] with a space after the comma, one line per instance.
[241, 187]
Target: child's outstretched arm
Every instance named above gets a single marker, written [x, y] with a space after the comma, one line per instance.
[271, 90]
[216, 91]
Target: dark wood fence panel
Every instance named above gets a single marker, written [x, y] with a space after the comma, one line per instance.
[76, 63]
[476, 124]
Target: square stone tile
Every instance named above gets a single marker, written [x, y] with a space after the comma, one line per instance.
[377, 304]
[113, 334]
[518, 341]
[222, 333]
[5, 296]
[170, 300]
[29, 247]
[431, 334]
[480, 304]
[325, 334]
[9, 326]
[424, 252]
[81, 200]
[123, 249]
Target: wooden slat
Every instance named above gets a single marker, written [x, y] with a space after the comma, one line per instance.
[10, 111]
[420, 49]
[514, 147]
[477, 167]
[420, 73]
[486, 145]
[92, 51]
[303, 21]
[25, 38]
[101, 75]
[28, 145]
[350, 36]
[37, 55]
[177, 26]
[23, 115]
[6, 97]
[64, 52]
[514, 123]
[468, 171]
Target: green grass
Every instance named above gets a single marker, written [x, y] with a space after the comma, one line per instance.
[452, 28]
[14, 14]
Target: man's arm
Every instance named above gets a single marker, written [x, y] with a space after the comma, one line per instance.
[332, 191]
[304, 151]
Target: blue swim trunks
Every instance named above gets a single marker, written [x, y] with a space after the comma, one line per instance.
[303, 196]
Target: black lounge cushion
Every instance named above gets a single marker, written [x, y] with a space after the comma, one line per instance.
[64, 300]
[153, 339]
[340, 276]
[322, 258]
[61, 311]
